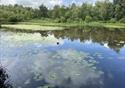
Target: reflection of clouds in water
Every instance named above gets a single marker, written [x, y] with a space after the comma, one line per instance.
[106, 45]
[65, 65]
[121, 57]
[19, 39]
[88, 42]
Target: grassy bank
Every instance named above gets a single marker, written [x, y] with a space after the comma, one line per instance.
[49, 25]
[74, 24]
[107, 25]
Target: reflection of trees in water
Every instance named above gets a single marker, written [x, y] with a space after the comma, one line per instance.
[114, 38]
[3, 79]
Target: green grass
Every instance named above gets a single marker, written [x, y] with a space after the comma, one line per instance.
[93, 24]
[107, 25]
[49, 22]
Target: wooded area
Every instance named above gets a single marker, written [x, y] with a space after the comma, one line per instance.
[101, 11]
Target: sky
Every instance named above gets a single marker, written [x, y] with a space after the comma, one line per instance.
[48, 3]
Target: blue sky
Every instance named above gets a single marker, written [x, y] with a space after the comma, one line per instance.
[48, 3]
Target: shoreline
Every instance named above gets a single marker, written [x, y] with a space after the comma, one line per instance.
[37, 26]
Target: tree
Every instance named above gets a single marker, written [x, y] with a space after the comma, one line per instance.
[119, 9]
[43, 11]
[104, 10]
[56, 12]
[74, 12]
[85, 10]
[15, 13]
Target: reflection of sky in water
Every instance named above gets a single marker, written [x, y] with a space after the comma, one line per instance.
[36, 61]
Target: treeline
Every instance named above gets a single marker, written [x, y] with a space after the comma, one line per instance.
[15, 13]
[101, 11]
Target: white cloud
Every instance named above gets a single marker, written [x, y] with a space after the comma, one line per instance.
[48, 3]
[33, 3]
[6, 2]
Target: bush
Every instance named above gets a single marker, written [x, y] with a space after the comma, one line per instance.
[69, 20]
[62, 19]
[113, 20]
[14, 19]
[88, 19]
[122, 20]
[57, 20]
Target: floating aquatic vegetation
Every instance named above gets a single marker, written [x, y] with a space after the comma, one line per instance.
[32, 27]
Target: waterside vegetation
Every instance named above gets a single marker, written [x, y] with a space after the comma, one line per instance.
[102, 14]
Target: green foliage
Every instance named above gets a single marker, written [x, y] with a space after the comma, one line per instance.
[88, 19]
[119, 9]
[62, 19]
[122, 20]
[101, 11]
[69, 20]
[15, 19]
[104, 10]
[15, 13]
[112, 20]
[43, 11]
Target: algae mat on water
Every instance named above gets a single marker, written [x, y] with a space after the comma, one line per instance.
[32, 27]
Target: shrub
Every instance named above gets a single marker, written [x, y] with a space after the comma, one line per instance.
[62, 19]
[113, 20]
[14, 19]
[57, 20]
[122, 20]
[69, 20]
[88, 19]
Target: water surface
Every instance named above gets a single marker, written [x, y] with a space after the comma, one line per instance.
[71, 58]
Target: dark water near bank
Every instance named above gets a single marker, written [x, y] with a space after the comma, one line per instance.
[71, 58]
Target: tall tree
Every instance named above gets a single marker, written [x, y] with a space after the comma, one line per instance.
[119, 9]
[105, 9]
[43, 11]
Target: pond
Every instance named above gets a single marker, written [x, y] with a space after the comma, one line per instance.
[70, 58]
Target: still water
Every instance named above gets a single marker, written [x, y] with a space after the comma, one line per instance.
[71, 58]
